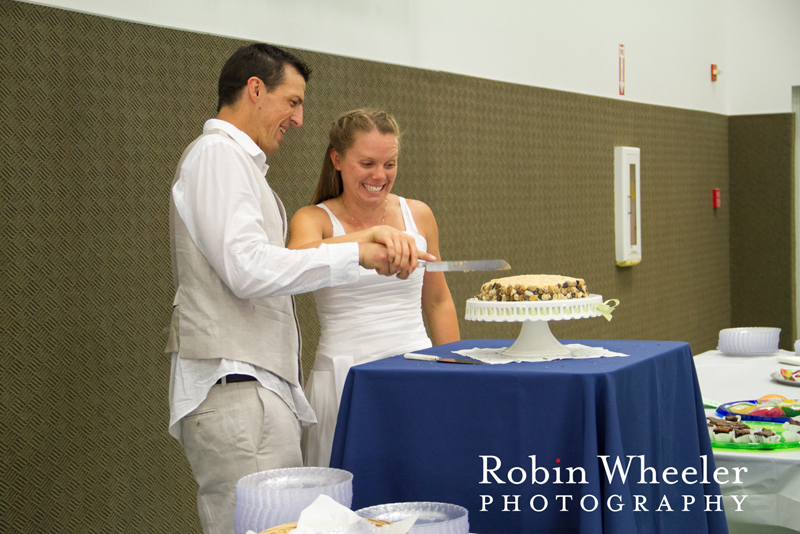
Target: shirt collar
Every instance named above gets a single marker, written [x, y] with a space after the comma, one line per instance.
[242, 139]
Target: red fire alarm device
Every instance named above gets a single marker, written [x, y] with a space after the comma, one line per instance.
[714, 72]
[715, 198]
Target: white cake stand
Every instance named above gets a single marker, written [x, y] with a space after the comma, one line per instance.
[535, 340]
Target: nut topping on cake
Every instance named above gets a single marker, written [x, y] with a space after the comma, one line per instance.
[533, 287]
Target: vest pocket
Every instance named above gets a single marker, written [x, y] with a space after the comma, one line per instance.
[273, 314]
[173, 342]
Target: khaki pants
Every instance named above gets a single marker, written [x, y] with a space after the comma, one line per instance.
[238, 430]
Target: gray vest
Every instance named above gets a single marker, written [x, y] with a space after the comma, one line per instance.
[209, 321]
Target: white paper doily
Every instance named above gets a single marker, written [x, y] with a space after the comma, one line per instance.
[576, 352]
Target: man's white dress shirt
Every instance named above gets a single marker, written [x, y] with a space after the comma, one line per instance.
[218, 198]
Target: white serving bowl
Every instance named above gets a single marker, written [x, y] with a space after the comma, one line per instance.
[750, 341]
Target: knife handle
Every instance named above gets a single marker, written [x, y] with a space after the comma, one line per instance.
[789, 360]
[424, 357]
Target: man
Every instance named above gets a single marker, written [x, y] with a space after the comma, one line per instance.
[236, 402]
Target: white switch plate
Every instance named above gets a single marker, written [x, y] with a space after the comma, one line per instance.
[627, 205]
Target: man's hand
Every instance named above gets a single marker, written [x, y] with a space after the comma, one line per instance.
[376, 256]
[401, 249]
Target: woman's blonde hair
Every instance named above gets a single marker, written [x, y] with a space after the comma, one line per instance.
[342, 136]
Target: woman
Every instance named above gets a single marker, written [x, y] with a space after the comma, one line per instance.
[378, 316]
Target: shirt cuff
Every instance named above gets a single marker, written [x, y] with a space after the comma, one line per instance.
[344, 262]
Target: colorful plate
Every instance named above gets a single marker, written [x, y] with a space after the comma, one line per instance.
[776, 376]
[725, 409]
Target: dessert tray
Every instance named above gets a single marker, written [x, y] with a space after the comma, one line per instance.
[775, 427]
[762, 424]
[535, 338]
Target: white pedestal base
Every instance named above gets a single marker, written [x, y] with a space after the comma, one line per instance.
[536, 340]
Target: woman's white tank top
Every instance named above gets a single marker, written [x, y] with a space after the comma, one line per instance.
[375, 317]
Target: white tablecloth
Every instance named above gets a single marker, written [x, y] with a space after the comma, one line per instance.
[772, 481]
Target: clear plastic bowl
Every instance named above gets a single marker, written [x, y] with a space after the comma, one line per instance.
[276, 497]
[434, 517]
[750, 341]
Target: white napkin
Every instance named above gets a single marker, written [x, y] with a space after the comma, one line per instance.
[325, 514]
[577, 352]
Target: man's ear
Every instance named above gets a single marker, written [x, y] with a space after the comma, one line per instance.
[254, 87]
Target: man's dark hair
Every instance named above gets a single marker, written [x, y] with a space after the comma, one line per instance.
[264, 61]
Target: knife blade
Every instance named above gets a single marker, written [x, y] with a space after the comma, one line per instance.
[430, 358]
[464, 266]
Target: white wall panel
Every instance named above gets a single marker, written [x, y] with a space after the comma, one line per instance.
[763, 42]
[569, 46]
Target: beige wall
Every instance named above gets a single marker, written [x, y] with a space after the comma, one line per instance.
[762, 223]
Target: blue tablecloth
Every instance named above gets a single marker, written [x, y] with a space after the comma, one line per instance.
[470, 434]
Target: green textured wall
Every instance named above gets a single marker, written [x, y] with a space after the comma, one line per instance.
[762, 223]
[94, 114]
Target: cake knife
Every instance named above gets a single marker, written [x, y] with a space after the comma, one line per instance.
[466, 265]
[430, 358]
